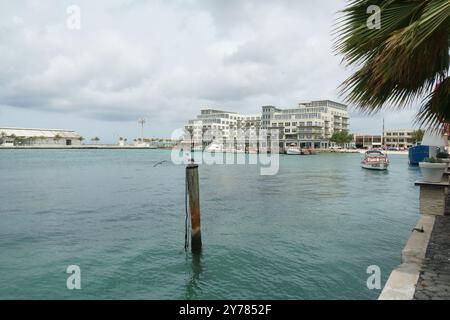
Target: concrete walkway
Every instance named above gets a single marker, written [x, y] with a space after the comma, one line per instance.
[434, 278]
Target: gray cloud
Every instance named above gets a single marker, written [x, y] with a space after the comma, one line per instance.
[166, 59]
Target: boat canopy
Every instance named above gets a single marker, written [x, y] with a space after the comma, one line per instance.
[374, 153]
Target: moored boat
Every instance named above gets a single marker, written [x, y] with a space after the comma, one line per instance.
[214, 147]
[293, 150]
[375, 160]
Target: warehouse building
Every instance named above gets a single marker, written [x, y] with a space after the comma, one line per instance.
[10, 137]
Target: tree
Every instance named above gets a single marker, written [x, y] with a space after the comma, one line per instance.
[406, 58]
[57, 138]
[95, 140]
[341, 137]
[417, 136]
[32, 140]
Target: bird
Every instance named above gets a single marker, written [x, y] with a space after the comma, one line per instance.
[161, 162]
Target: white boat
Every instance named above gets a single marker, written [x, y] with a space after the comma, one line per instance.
[375, 160]
[214, 147]
[294, 150]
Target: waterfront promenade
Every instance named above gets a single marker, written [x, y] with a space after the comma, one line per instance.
[424, 272]
[434, 278]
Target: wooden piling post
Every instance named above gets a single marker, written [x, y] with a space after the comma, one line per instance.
[194, 205]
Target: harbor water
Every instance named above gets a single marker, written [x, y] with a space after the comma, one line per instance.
[308, 232]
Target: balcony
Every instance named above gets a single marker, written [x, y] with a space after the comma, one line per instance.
[310, 131]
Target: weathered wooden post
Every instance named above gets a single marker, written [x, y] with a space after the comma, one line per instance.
[194, 205]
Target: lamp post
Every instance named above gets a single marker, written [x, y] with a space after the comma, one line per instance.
[142, 121]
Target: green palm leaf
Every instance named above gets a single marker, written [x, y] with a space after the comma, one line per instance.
[406, 59]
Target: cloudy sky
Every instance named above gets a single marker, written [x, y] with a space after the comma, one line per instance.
[164, 60]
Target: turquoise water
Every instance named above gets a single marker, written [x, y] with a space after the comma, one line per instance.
[309, 232]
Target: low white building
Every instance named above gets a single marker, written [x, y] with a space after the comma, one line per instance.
[398, 138]
[10, 137]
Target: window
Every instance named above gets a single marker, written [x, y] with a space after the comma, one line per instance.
[287, 124]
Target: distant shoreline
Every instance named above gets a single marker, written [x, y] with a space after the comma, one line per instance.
[116, 147]
[81, 147]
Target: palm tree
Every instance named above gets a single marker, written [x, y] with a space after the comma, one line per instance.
[417, 136]
[190, 131]
[95, 140]
[57, 138]
[406, 59]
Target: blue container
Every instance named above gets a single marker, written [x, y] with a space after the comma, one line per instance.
[418, 154]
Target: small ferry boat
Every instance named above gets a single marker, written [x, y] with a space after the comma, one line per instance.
[293, 150]
[375, 160]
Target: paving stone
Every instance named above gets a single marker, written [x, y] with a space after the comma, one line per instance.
[434, 279]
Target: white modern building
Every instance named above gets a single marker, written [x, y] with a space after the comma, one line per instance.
[10, 137]
[214, 124]
[310, 124]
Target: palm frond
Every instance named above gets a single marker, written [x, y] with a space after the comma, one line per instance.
[435, 110]
[400, 62]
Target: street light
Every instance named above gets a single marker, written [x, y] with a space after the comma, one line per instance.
[142, 121]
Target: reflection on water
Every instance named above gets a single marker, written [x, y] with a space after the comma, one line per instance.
[193, 288]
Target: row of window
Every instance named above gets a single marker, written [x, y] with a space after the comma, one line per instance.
[400, 134]
[294, 124]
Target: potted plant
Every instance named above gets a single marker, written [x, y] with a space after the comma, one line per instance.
[432, 170]
[444, 157]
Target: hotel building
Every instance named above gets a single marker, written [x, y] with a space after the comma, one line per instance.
[214, 124]
[310, 124]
